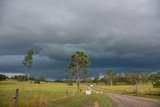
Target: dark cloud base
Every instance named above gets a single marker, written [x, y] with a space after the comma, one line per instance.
[122, 34]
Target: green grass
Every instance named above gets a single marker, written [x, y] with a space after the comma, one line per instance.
[83, 100]
[143, 90]
[48, 95]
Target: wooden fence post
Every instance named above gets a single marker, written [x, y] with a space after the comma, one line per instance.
[16, 97]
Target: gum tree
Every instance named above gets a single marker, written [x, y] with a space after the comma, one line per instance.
[28, 59]
[78, 63]
[111, 74]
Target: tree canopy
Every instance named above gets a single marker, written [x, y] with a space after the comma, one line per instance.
[28, 59]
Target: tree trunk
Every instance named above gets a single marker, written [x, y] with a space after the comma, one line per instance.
[78, 80]
[78, 87]
[25, 70]
[136, 88]
[111, 82]
[28, 76]
[78, 76]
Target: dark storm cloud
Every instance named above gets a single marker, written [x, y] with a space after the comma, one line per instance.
[116, 33]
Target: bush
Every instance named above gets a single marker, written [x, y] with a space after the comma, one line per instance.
[2, 77]
[38, 82]
[155, 79]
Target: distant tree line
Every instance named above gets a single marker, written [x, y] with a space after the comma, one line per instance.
[113, 78]
[131, 78]
[110, 78]
[19, 77]
[23, 78]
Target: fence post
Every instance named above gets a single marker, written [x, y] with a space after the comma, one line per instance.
[16, 97]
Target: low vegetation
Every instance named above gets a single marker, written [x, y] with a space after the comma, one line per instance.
[48, 95]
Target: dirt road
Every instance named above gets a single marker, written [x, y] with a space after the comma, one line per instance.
[132, 101]
[119, 100]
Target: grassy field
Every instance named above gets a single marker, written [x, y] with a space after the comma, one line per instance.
[48, 95]
[143, 90]
[54, 94]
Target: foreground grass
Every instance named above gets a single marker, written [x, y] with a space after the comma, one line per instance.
[48, 95]
[143, 90]
[83, 100]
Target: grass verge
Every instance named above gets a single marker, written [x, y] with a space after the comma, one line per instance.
[143, 90]
[82, 100]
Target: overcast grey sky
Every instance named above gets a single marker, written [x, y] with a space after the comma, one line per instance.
[122, 34]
